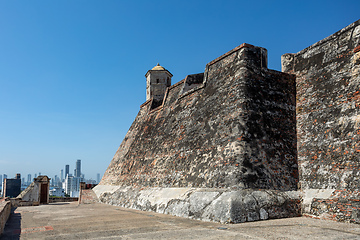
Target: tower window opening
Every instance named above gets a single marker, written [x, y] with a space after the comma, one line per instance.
[157, 80]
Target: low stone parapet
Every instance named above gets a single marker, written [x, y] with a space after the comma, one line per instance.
[87, 196]
[5, 209]
[63, 199]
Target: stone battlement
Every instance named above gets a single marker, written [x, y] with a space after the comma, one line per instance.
[240, 142]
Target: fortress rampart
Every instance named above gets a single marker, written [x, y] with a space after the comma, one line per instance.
[240, 142]
[328, 124]
[227, 131]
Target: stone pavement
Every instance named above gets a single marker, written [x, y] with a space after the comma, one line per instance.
[100, 221]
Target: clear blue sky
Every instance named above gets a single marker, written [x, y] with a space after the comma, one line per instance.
[72, 71]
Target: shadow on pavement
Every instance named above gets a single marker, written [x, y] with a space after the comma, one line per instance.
[59, 203]
[13, 226]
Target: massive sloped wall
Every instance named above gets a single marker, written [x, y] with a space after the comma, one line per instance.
[226, 144]
[328, 124]
[236, 130]
[231, 128]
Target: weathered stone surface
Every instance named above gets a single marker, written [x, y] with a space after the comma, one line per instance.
[220, 205]
[216, 138]
[5, 209]
[328, 122]
[200, 200]
[87, 196]
[33, 193]
[232, 127]
[342, 205]
[237, 129]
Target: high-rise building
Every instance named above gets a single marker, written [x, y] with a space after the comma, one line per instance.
[61, 175]
[72, 186]
[55, 180]
[66, 170]
[98, 178]
[29, 178]
[77, 171]
[2, 182]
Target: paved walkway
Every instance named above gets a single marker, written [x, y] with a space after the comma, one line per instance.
[100, 221]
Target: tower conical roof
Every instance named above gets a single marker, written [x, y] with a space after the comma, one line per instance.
[158, 67]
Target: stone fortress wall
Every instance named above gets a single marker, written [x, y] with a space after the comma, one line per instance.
[237, 130]
[328, 124]
[228, 144]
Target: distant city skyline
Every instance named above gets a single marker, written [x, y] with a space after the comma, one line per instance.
[59, 186]
[25, 176]
[66, 169]
[77, 173]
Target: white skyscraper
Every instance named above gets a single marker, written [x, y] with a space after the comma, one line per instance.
[72, 186]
